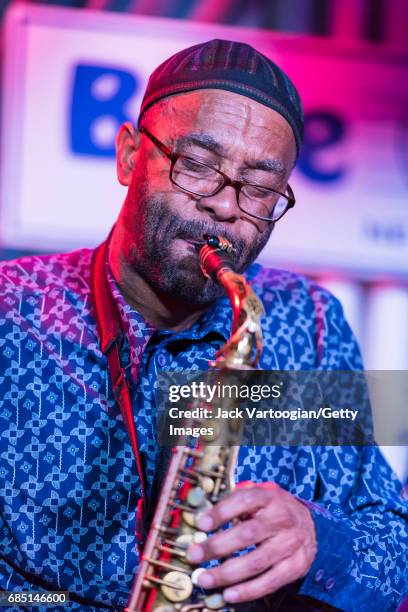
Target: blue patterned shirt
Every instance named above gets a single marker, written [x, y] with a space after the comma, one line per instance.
[68, 484]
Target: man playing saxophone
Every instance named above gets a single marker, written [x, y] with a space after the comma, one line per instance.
[219, 133]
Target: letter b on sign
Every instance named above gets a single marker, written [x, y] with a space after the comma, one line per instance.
[98, 108]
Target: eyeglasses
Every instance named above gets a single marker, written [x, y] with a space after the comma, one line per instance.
[194, 177]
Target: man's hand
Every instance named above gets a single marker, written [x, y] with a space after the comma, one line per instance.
[280, 526]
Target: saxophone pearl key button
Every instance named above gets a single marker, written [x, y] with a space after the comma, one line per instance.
[189, 518]
[199, 536]
[196, 497]
[185, 539]
[182, 589]
[196, 574]
[214, 601]
[207, 484]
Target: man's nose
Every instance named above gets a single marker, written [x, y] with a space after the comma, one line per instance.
[222, 206]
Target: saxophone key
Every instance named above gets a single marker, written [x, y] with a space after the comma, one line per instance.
[216, 472]
[199, 537]
[173, 551]
[164, 565]
[190, 517]
[166, 530]
[190, 452]
[179, 542]
[184, 540]
[178, 506]
[215, 601]
[155, 580]
[196, 574]
[196, 497]
[180, 589]
[207, 484]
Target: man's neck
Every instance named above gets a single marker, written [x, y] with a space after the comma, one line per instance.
[160, 310]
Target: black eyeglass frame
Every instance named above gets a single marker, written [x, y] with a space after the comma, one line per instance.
[227, 181]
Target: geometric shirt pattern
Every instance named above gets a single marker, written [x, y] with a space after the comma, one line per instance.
[68, 483]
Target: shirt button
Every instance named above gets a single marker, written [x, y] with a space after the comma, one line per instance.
[319, 575]
[161, 359]
[329, 584]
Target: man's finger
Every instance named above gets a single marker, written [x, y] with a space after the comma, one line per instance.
[241, 501]
[239, 569]
[242, 535]
[286, 571]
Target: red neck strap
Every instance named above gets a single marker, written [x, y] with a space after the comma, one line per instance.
[111, 333]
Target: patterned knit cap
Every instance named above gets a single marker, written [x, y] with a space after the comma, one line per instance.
[234, 66]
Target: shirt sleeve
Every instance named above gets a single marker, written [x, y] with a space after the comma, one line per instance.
[361, 523]
[361, 562]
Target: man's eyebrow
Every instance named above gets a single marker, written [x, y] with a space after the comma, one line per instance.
[208, 142]
[201, 140]
[269, 165]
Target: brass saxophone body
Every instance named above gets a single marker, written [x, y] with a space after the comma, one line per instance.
[198, 476]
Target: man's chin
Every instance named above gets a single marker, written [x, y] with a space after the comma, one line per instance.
[183, 280]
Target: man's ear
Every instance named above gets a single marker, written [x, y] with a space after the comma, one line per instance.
[127, 144]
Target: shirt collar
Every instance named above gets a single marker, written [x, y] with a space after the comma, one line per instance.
[216, 320]
[133, 322]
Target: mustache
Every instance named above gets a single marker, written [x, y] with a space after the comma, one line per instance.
[195, 230]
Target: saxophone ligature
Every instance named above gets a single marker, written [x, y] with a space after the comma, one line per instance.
[199, 474]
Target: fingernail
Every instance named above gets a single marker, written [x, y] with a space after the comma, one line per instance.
[230, 594]
[195, 553]
[204, 522]
[206, 580]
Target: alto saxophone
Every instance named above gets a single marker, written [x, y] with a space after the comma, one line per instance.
[197, 476]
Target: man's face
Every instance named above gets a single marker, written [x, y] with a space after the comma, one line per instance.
[162, 225]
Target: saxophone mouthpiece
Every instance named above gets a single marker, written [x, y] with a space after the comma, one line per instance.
[218, 242]
[215, 256]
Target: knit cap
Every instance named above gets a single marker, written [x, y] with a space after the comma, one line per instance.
[229, 65]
